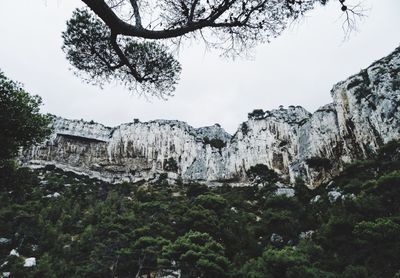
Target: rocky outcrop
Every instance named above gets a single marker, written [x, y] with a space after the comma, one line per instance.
[364, 114]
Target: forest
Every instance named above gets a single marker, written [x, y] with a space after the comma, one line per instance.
[75, 226]
[56, 223]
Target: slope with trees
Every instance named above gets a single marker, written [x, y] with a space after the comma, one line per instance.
[80, 227]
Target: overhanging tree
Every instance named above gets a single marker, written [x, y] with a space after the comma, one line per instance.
[132, 41]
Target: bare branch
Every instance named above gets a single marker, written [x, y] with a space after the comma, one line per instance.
[232, 26]
[121, 27]
[138, 19]
[192, 9]
[352, 14]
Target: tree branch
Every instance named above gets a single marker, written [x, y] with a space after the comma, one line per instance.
[125, 60]
[138, 19]
[220, 10]
[120, 27]
[192, 9]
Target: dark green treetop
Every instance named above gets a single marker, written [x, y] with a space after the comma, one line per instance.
[21, 123]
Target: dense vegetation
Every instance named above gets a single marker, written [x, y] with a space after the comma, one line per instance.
[21, 124]
[80, 227]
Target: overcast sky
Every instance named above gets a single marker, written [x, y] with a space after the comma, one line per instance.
[300, 67]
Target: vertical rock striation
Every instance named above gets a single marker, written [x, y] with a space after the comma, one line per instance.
[364, 114]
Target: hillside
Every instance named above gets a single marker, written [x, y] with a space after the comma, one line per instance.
[364, 114]
[59, 224]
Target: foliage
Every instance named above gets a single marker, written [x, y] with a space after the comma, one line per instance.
[210, 201]
[171, 165]
[256, 114]
[319, 162]
[95, 229]
[21, 124]
[100, 58]
[214, 142]
[261, 173]
[244, 128]
[131, 41]
[196, 255]
[284, 263]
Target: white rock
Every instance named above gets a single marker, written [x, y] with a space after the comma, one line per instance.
[315, 199]
[14, 253]
[275, 238]
[29, 262]
[334, 195]
[54, 195]
[4, 240]
[306, 234]
[173, 274]
[364, 114]
[285, 191]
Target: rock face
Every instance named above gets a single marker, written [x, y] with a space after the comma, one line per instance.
[364, 114]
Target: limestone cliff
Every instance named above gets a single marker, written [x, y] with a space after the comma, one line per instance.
[364, 114]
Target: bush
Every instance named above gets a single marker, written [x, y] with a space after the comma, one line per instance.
[256, 114]
[244, 128]
[262, 173]
[171, 165]
[215, 143]
[319, 163]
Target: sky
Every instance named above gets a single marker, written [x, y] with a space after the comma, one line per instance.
[298, 68]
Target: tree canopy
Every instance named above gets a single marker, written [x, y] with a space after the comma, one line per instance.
[132, 42]
[77, 226]
[21, 124]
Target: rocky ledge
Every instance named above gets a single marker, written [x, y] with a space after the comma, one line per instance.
[364, 114]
